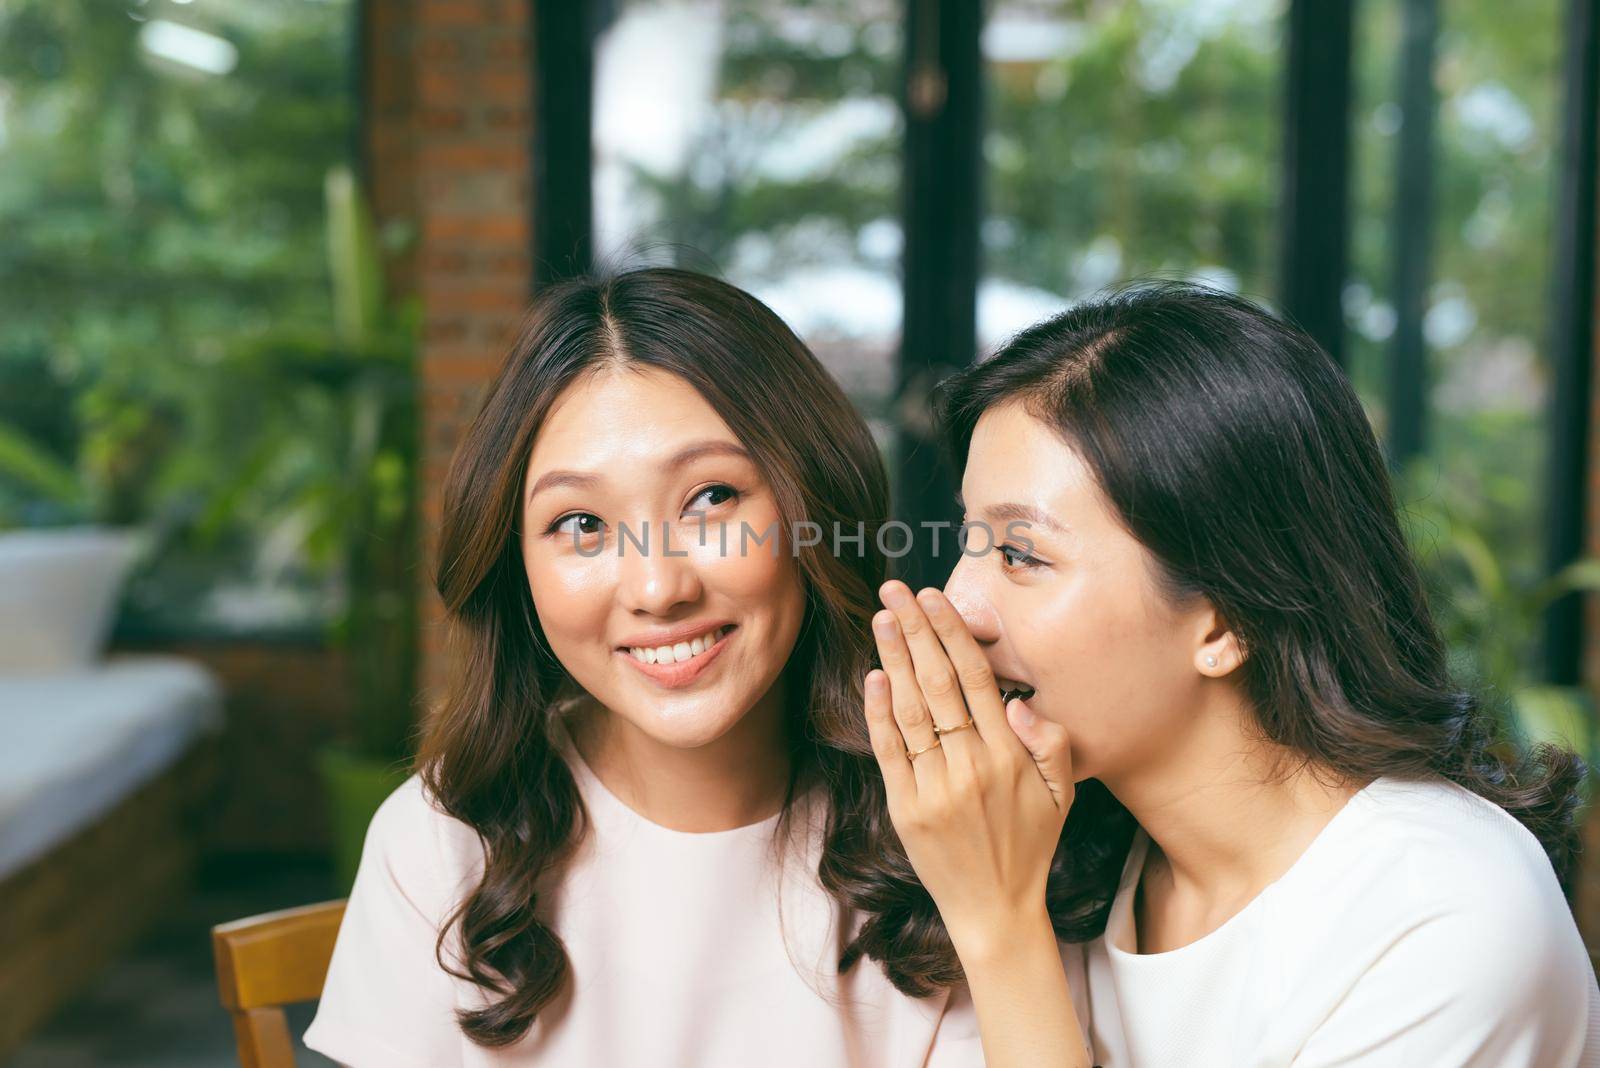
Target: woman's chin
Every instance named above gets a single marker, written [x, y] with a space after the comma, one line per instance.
[684, 722]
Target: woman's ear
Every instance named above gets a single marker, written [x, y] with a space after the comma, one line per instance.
[1219, 651]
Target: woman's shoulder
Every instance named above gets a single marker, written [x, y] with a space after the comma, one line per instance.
[417, 843]
[1455, 847]
[409, 803]
[1430, 917]
[407, 811]
[1444, 883]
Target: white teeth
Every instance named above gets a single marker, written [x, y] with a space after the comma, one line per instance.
[679, 652]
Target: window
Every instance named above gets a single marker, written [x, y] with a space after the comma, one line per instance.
[760, 140]
[166, 323]
[1127, 140]
[1455, 365]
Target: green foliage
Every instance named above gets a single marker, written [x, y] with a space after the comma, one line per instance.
[374, 503]
[164, 295]
[25, 462]
[769, 85]
[1148, 145]
[1496, 136]
[193, 334]
[1490, 611]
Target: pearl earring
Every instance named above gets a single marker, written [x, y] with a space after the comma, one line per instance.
[1211, 660]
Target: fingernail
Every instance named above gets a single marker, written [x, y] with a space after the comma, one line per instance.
[1022, 712]
[930, 600]
[894, 594]
[874, 681]
[883, 624]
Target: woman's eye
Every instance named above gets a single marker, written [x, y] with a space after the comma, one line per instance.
[577, 525]
[712, 496]
[1012, 557]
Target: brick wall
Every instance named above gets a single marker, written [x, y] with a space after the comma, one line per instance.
[282, 702]
[447, 116]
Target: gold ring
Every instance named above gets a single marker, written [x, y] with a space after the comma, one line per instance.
[938, 730]
[912, 754]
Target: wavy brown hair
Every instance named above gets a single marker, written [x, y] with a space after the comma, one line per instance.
[489, 755]
[1236, 452]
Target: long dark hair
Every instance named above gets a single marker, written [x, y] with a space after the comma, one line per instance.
[490, 754]
[1235, 450]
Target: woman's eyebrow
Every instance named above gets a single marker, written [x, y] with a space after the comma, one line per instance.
[709, 447]
[693, 451]
[1025, 513]
[552, 479]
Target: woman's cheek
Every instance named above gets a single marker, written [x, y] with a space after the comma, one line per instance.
[570, 594]
[582, 575]
[742, 554]
[742, 573]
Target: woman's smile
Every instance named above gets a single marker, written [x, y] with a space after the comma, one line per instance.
[677, 659]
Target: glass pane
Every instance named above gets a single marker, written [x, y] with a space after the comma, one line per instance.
[1479, 488]
[760, 140]
[1125, 140]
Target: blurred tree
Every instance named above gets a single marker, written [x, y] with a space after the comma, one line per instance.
[162, 173]
[1489, 614]
[1488, 306]
[779, 168]
[1134, 138]
[780, 68]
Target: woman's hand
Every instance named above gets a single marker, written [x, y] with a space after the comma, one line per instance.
[979, 808]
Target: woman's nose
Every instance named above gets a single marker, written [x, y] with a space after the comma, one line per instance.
[965, 591]
[656, 574]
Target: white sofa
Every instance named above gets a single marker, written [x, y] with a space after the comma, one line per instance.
[102, 766]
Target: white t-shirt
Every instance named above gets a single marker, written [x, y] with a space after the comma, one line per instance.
[1422, 928]
[677, 950]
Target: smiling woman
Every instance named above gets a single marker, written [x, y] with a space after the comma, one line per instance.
[645, 827]
[678, 638]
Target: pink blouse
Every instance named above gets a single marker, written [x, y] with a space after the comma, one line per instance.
[713, 950]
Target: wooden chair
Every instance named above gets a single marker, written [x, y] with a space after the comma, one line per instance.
[266, 962]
